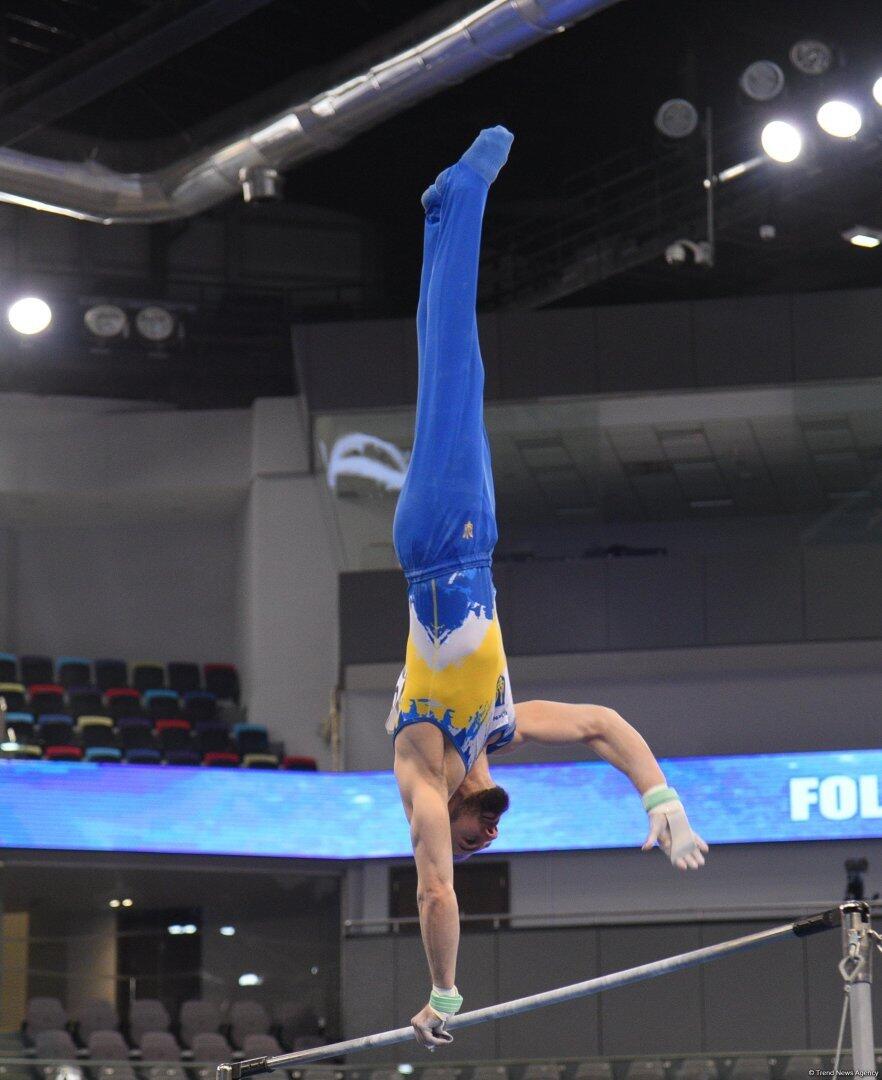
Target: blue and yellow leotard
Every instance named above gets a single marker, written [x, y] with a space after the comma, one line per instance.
[455, 673]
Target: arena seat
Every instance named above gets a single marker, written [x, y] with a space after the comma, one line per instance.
[147, 1015]
[148, 675]
[8, 667]
[103, 755]
[160, 1046]
[55, 730]
[107, 1045]
[161, 704]
[44, 1014]
[35, 669]
[21, 750]
[143, 755]
[135, 733]
[198, 1017]
[96, 1015]
[173, 734]
[251, 738]
[751, 1068]
[260, 761]
[211, 1046]
[13, 694]
[183, 757]
[212, 737]
[45, 698]
[647, 1069]
[55, 1043]
[122, 701]
[696, 1069]
[21, 724]
[183, 676]
[220, 759]
[110, 673]
[85, 701]
[200, 706]
[222, 680]
[73, 671]
[63, 753]
[247, 1018]
[95, 731]
[258, 1045]
[593, 1070]
[299, 763]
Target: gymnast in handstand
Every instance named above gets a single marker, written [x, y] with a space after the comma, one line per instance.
[453, 703]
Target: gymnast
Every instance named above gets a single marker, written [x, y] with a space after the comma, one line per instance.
[453, 703]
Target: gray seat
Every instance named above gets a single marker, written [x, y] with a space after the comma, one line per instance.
[258, 1045]
[697, 1069]
[160, 1046]
[647, 1069]
[247, 1018]
[490, 1072]
[97, 1015]
[593, 1070]
[308, 1042]
[543, 1071]
[294, 1019]
[44, 1014]
[147, 1014]
[55, 1044]
[798, 1066]
[198, 1018]
[107, 1046]
[751, 1068]
[210, 1046]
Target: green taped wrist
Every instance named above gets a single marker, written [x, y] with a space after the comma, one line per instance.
[445, 1004]
[656, 796]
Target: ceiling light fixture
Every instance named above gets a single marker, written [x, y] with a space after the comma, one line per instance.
[30, 315]
[840, 119]
[811, 57]
[676, 118]
[781, 141]
[763, 80]
[863, 237]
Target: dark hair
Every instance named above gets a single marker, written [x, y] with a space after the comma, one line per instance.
[489, 801]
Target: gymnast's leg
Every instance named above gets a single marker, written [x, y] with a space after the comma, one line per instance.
[445, 518]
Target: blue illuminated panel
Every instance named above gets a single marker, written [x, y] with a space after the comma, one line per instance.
[567, 806]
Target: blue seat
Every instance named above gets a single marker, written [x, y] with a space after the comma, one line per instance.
[103, 754]
[200, 707]
[8, 667]
[21, 724]
[251, 738]
[161, 704]
[143, 756]
[55, 729]
[73, 671]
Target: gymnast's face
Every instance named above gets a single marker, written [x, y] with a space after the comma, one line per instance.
[472, 831]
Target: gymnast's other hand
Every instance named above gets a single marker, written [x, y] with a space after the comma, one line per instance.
[428, 1027]
[670, 829]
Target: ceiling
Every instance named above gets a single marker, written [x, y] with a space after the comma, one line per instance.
[91, 78]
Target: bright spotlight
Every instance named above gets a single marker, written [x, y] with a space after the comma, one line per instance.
[877, 90]
[840, 119]
[250, 978]
[113, 903]
[781, 141]
[863, 237]
[30, 315]
[228, 931]
[127, 902]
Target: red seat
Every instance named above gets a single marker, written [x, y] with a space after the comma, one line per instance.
[46, 698]
[122, 701]
[220, 758]
[173, 733]
[297, 763]
[63, 753]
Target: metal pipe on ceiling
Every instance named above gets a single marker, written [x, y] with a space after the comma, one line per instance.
[93, 192]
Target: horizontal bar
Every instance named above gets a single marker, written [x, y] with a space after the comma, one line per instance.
[810, 924]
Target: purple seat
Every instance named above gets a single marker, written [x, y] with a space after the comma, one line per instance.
[183, 757]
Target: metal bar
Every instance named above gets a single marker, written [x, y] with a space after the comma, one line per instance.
[801, 927]
[856, 969]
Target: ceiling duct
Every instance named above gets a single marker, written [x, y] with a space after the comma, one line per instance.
[93, 192]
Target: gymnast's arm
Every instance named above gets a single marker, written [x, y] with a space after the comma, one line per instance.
[424, 795]
[611, 737]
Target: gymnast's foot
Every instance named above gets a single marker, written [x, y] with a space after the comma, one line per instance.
[489, 152]
[486, 156]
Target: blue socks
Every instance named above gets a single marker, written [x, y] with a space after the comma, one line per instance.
[489, 152]
[486, 156]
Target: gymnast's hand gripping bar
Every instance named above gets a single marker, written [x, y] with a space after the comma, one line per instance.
[810, 924]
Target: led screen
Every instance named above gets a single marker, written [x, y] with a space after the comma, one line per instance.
[565, 806]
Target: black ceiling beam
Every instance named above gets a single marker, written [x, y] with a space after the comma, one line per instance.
[115, 58]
